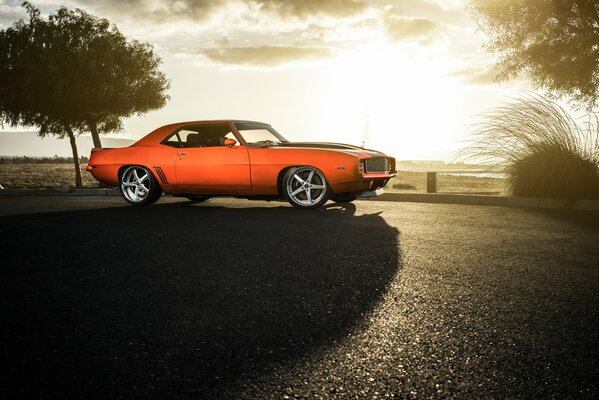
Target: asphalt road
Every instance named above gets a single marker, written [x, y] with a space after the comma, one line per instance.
[238, 299]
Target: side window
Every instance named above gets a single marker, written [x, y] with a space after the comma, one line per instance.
[173, 141]
[200, 136]
[184, 135]
[207, 136]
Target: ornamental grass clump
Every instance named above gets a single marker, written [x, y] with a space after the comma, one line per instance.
[540, 148]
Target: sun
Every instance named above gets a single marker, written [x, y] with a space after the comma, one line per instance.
[399, 97]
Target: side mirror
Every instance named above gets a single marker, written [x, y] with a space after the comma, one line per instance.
[230, 142]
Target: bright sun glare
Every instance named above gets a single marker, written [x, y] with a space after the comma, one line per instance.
[403, 100]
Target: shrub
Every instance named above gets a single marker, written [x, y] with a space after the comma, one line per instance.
[540, 148]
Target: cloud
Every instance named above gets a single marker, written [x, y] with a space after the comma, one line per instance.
[265, 56]
[306, 8]
[449, 4]
[477, 75]
[403, 28]
[10, 14]
[198, 10]
[158, 9]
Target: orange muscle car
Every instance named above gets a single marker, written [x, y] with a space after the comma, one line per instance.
[246, 159]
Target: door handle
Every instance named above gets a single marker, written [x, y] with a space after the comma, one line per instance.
[181, 154]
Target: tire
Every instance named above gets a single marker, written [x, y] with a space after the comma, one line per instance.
[343, 197]
[197, 198]
[306, 187]
[138, 186]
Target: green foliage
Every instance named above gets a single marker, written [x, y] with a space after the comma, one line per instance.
[75, 68]
[541, 149]
[73, 72]
[110, 78]
[555, 42]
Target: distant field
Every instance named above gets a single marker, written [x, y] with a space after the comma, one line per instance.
[62, 176]
[43, 176]
[416, 182]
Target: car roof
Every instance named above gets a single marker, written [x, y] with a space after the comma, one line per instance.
[217, 121]
[157, 135]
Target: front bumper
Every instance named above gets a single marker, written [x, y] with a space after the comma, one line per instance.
[362, 183]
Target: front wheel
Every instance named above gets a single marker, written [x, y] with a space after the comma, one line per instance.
[306, 187]
[139, 187]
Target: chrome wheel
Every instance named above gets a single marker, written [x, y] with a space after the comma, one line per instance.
[138, 186]
[306, 187]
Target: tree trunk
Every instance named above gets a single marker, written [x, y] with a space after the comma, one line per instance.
[93, 128]
[78, 183]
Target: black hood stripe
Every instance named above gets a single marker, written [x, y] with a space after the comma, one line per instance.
[332, 146]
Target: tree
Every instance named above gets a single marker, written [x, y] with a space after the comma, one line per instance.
[73, 71]
[27, 95]
[555, 42]
[112, 78]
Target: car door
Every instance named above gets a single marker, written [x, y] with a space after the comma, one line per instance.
[204, 164]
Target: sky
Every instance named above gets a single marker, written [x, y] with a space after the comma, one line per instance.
[407, 76]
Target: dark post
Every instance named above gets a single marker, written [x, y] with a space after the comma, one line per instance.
[431, 182]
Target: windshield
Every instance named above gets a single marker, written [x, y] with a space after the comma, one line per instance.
[259, 134]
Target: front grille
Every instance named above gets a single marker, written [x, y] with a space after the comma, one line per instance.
[377, 165]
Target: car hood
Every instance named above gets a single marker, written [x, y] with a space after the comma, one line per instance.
[332, 146]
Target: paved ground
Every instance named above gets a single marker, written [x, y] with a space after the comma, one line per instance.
[236, 299]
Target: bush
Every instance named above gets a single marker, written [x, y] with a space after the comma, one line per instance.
[541, 149]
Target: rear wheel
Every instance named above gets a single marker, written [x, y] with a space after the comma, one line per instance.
[306, 187]
[139, 187]
[343, 197]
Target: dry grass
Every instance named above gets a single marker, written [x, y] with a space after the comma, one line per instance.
[415, 182]
[43, 176]
[542, 150]
[62, 176]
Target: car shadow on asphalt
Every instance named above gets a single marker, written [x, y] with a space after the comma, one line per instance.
[177, 299]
